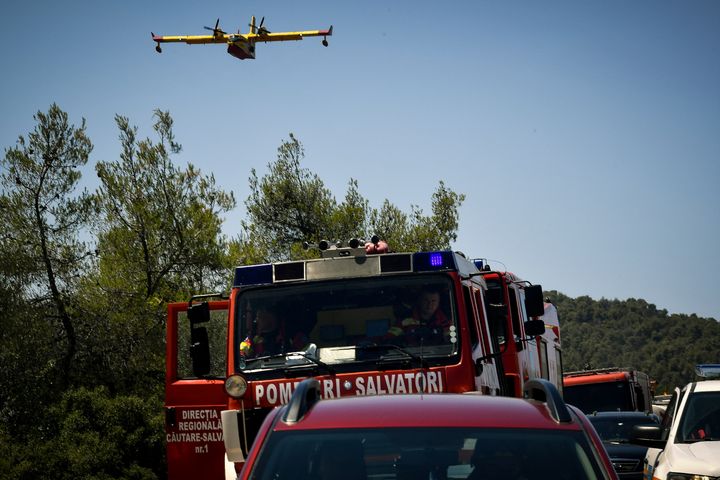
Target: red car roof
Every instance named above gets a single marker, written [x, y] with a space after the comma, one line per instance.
[429, 410]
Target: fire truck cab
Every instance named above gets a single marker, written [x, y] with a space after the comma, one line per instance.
[613, 388]
[391, 323]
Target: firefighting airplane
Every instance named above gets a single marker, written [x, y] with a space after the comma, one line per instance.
[242, 45]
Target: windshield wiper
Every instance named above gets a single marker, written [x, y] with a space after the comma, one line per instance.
[289, 355]
[316, 361]
[370, 347]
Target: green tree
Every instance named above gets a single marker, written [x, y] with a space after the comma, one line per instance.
[287, 206]
[91, 434]
[159, 240]
[42, 217]
[160, 230]
[291, 205]
[418, 232]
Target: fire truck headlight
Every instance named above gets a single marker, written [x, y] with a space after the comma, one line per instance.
[236, 386]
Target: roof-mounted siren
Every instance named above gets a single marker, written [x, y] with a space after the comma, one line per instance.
[329, 249]
[327, 34]
[355, 247]
[321, 245]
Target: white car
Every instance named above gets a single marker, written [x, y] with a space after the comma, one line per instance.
[686, 445]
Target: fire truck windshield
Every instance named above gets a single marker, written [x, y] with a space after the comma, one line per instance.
[348, 321]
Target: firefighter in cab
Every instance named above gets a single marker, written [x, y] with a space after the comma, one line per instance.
[424, 323]
[269, 336]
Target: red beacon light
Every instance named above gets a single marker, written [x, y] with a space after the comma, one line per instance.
[375, 245]
[352, 248]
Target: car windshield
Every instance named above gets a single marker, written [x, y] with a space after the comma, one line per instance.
[426, 453]
[332, 323]
[617, 428]
[701, 420]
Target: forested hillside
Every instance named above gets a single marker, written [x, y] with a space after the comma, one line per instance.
[634, 333]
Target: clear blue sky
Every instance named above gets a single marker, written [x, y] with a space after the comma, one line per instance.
[586, 135]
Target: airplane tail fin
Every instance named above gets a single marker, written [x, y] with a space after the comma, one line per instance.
[252, 24]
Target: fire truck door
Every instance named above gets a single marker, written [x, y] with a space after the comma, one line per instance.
[488, 381]
[195, 447]
[531, 351]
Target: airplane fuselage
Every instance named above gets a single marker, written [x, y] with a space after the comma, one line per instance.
[243, 51]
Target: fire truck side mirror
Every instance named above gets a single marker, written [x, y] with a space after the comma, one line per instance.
[533, 328]
[479, 366]
[534, 303]
[199, 313]
[200, 351]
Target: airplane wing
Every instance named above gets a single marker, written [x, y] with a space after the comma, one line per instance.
[236, 37]
[191, 39]
[285, 36]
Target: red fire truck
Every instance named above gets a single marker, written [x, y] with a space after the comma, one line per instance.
[361, 324]
[612, 388]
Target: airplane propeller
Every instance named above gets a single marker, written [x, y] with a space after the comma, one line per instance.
[260, 30]
[216, 31]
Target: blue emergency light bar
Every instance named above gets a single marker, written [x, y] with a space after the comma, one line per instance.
[253, 275]
[386, 264]
[433, 261]
[708, 370]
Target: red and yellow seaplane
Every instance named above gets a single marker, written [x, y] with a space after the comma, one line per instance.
[242, 45]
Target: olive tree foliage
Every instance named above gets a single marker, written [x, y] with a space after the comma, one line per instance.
[417, 231]
[43, 257]
[160, 224]
[159, 240]
[291, 205]
[288, 206]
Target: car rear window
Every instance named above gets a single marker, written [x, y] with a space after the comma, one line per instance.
[426, 453]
